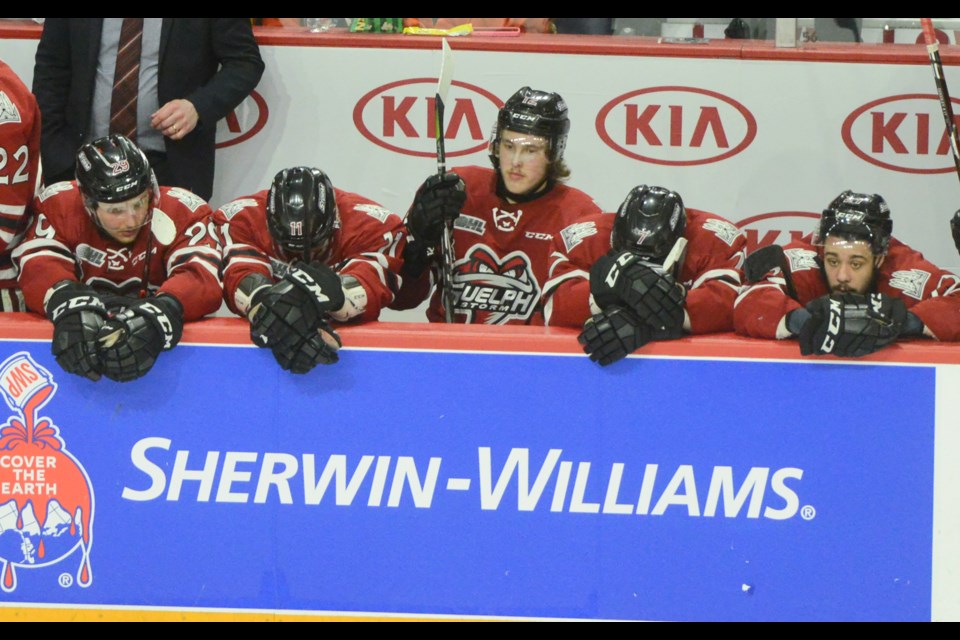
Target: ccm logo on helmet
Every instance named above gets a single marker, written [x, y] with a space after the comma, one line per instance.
[904, 133]
[778, 227]
[401, 116]
[676, 126]
[244, 122]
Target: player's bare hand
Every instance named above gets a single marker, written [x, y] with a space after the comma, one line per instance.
[176, 119]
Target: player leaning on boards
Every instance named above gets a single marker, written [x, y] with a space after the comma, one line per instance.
[853, 291]
[653, 271]
[118, 263]
[303, 254]
[504, 219]
[20, 178]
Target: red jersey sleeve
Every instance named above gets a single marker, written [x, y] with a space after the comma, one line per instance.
[19, 166]
[370, 247]
[46, 256]
[761, 306]
[575, 249]
[190, 250]
[928, 291]
[712, 271]
[242, 227]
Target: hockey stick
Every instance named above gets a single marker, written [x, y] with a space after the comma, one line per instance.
[933, 48]
[764, 260]
[446, 241]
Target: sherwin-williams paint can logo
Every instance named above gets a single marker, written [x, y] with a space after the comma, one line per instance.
[46, 499]
[676, 126]
[401, 116]
[904, 133]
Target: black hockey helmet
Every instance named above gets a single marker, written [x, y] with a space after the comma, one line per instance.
[302, 211]
[857, 216]
[114, 169]
[538, 113]
[649, 222]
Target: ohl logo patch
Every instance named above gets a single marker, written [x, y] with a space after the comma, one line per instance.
[46, 499]
[495, 291]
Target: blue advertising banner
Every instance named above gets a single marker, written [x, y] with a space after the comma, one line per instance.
[471, 484]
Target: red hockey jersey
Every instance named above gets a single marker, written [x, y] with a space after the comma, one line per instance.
[19, 173]
[367, 243]
[926, 290]
[711, 270]
[502, 250]
[64, 243]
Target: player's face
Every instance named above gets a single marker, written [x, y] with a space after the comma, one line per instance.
[122, 220]
[849, 265]
[523, 161]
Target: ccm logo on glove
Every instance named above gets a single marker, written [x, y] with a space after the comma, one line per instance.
[76, 303]
[622, 260]
[303, 278]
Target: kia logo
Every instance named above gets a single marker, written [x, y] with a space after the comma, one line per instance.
[244, 122]
[903, 133]
[676, 126]
[401, 116]
[778, 227]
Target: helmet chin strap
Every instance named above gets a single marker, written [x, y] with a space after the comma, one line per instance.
[537, 192]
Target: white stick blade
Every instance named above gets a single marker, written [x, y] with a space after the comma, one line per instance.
[446, 71]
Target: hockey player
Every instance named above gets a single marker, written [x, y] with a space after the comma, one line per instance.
[301, 254]
[20, 178]
[851, 292]
[653, 271]
[504, 219]
[118, 263]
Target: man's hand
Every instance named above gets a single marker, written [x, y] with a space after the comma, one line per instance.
[176, 119]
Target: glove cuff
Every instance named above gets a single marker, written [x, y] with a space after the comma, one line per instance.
[913, 326]
[165, 313]
[416, 258]
[69, 295]
[796, 319]
[250, 291]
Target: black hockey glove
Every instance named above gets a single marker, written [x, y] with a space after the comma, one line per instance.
[131, 340]
[851, 325]
[627, 280]
[301, 352]
[297, 304]
[321, 284]
[613, 334]
[77, 314]
[437, 202]
[289, 317]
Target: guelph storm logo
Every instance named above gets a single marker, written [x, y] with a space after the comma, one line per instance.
[499, 290]
[46, 500]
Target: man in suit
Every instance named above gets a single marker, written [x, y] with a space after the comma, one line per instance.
[192, 72]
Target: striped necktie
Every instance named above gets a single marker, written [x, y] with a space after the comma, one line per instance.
[126, 79]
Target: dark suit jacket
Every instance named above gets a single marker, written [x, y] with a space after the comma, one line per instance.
[213, 62]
